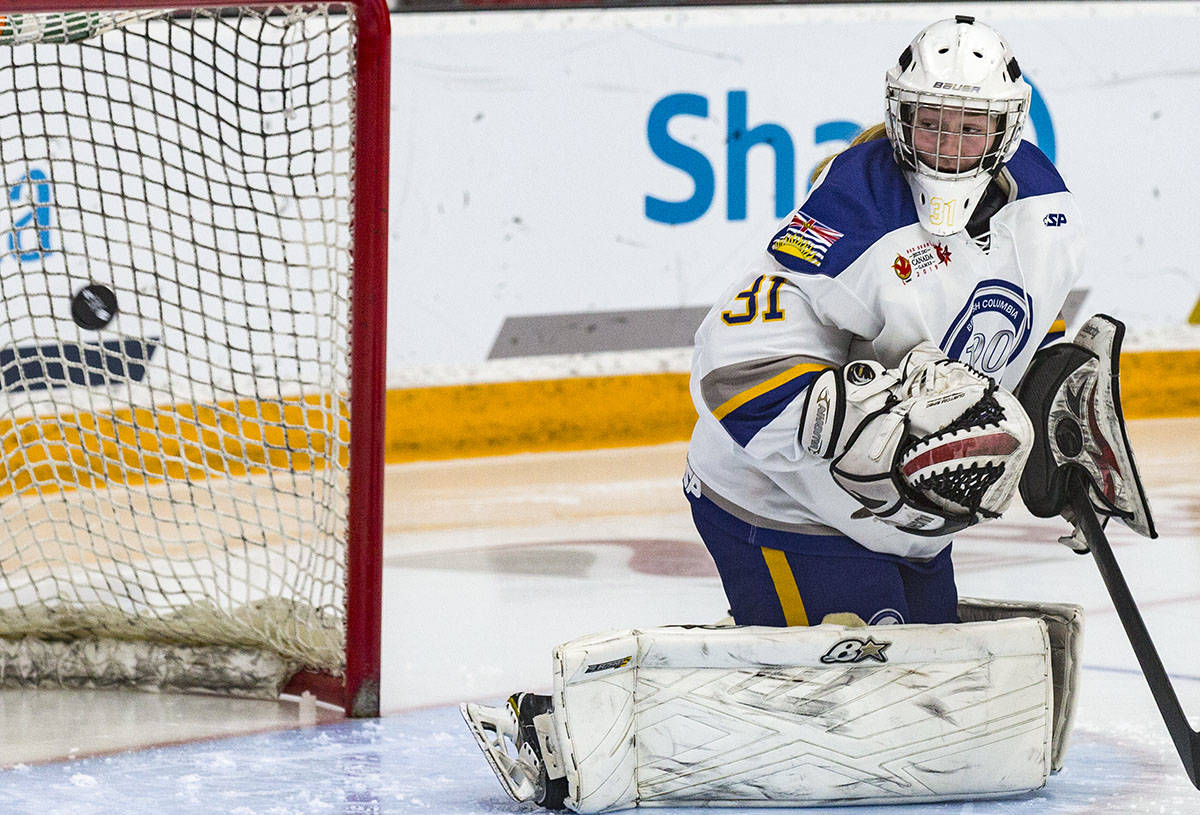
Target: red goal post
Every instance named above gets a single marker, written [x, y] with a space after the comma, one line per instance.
[65, 427]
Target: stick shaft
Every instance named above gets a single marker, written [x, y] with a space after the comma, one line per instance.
[1187, 740]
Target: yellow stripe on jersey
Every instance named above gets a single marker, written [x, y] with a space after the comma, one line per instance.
[1059, 326]
[745, 396]
[785, 587]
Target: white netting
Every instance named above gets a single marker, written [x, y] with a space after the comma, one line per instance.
[174, 354]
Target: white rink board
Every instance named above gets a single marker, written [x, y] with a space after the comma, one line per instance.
[525, 152]
[522, 163]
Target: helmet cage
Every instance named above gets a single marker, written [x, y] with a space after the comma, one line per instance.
[949, 122]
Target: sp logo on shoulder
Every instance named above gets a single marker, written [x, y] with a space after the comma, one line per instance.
[856, 650]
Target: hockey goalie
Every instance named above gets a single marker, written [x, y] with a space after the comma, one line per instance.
[869, 388]
[838, 713]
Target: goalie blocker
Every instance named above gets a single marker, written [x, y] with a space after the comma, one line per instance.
[1082, 467]
[1070, 392]
[743, 716]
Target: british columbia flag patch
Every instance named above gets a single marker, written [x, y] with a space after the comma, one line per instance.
[805, 238]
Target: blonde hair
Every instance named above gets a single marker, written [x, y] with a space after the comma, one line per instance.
[870, 134]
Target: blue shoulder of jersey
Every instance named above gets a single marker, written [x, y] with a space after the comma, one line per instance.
[863, 197]
[1034, 173]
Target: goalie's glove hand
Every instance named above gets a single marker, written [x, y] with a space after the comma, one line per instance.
[869, 470]
[839, 400]
[931, 447]
[926, 371]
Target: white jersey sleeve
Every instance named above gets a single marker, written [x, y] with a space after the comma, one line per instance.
[755, 354]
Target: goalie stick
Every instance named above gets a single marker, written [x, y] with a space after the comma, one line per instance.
[1187, 740]
[1082, 467]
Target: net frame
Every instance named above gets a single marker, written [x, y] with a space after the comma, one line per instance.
[357, 690]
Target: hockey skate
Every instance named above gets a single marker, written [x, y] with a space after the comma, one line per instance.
[518, 743]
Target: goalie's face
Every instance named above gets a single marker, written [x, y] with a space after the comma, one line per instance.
[952, 140]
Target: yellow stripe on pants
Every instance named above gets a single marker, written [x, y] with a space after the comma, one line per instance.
[785, 586]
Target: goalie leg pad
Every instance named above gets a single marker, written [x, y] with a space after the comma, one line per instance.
[1064, 624]
[1072, 393]
[803, 716]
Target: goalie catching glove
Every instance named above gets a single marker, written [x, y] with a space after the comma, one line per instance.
[930, 447]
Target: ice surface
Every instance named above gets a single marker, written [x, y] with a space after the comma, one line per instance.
[424, 761]
[490, 564]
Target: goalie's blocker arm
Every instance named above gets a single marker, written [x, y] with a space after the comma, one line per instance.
[1083, 468]
[1072, 393]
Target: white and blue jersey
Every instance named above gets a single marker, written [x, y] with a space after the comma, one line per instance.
[850, 275]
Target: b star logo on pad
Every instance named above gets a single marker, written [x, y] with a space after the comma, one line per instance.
[856, 650]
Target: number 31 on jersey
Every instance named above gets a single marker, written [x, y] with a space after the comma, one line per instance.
[750, 297]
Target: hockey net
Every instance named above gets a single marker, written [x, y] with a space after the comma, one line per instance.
[191, 357]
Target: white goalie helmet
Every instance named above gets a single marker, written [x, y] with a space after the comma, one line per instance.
[956, 105]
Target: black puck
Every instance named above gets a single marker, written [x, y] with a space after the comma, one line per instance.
[94, 306]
